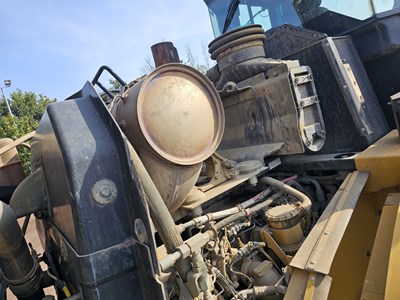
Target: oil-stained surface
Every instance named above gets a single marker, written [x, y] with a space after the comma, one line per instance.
[263, 112]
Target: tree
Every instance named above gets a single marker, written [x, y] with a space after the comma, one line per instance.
[148, 66]
[114, 89]
[28, 109]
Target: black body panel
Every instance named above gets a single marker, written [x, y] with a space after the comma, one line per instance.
[351, 125]
[377, 41]
[92, 239]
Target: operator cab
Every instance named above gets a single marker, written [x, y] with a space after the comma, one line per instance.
[333, 17]
[235, 14]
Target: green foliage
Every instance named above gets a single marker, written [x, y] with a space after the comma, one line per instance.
[28, 109]
[114, 88]
[115, 85]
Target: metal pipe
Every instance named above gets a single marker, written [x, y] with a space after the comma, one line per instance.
[20, 270]
[164, 53]
[200, 271]
[8, 104]
[26, 223]
[200, 239]
[305, 201]
[261, 291]
[107, 68]
[203, 238]
[230, 211]
[283, 188]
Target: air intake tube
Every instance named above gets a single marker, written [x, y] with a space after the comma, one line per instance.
[20, 270]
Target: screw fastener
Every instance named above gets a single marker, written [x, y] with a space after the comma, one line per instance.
[104, 191]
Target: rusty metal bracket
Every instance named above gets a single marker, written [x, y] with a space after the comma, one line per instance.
[271, 243]
[219, 169]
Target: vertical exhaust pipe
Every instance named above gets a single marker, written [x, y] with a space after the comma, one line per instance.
[164, 53]
[20, 270]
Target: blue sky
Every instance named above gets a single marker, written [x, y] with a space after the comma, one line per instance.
[53, 47]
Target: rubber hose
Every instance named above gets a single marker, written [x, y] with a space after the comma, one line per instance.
[296, 185]
[161, 217]
[248, 211]
[318, 189]
[21, 272]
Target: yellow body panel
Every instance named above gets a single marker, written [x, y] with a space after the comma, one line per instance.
[376, 278]
[382, 161]
[349, 268]
[392, 290]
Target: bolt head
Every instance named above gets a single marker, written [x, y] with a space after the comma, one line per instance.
[104, 191]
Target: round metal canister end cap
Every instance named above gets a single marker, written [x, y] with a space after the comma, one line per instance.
[180, 114]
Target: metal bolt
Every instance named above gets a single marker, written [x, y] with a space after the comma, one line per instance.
[104, 191]
[140, 231]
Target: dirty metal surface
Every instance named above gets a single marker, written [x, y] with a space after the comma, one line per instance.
[319, 249]
[308, 286]
[262, 111]
[256, 152]
[381, 279]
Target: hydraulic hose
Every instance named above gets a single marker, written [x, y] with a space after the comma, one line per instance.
[20, 270]
[248, 211]
[305, 201]
[202, 238]
[226, 212]
[296, 185]
[317, 187]
[161, 217]
[261, 291]
[286, 180]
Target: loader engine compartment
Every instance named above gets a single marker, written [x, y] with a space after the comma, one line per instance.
[175, 189]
